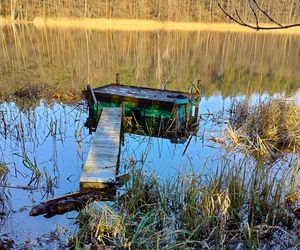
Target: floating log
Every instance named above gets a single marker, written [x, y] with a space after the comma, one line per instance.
[70, 202]
[77, 200]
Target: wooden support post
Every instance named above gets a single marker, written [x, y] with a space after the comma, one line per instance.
[186, 117]
[90, 101]
[118, 78]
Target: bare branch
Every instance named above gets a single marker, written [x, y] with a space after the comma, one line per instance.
[254, 14]
[238, 15]
[231, 17]
[241, 22]
[266, 14]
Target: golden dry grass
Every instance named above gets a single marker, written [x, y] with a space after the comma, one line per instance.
[270, 128]
[59, 93]
[191, 211]
[62, 94]
[3, 169]
[140, 25]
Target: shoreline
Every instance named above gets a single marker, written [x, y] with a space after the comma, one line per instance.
[140, 25]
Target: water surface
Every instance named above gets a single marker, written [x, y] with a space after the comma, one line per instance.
[229, 62]
[51, 135]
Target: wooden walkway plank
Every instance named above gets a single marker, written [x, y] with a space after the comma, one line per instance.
[102, 161]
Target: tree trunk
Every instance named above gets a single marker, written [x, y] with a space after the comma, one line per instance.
[13, 4]
[85, 9]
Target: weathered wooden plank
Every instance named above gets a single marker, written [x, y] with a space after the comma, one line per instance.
[104, 163]
[99, 151]
[99, 176]
[101, 164]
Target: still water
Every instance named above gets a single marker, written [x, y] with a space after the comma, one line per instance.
[229, 62]
[44, 145]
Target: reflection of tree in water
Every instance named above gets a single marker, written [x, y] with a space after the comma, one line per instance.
[61, 58]
[233, 81]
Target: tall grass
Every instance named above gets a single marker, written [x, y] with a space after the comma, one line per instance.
[3, 169]
[5, 204]
[33, 93]
[240, 206]
[267, 129]
[27, 128]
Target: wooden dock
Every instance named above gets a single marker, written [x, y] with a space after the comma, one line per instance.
[100, 168]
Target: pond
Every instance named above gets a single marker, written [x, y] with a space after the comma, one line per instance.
[45, 144]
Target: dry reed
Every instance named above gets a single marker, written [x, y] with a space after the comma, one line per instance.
[3, 169]
[267, 129]
[36, 92]
[231, 210]
[144, 25]
[63, 94]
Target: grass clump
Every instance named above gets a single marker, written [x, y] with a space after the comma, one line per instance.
[3, 169]
[29, 97]
[267, 129]
[99, 228]
[36, 92]
[63, 94]
[239, 207]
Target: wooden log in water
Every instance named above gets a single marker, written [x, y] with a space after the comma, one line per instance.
[71, 201]
[77, 200]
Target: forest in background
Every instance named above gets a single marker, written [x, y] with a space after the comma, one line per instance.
[285, 11]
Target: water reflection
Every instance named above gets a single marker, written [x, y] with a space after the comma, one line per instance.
[53, 138]
[45, 144]
[43, 148]
[232, 63]
[166, 159]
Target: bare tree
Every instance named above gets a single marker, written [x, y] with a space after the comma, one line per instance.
[13, 4]
[256, 9]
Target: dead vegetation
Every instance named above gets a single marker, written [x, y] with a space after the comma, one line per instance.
[3, 169]
[165, 10]
[36, 92]
[240, 208]
[247, 204]
[268, 129]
